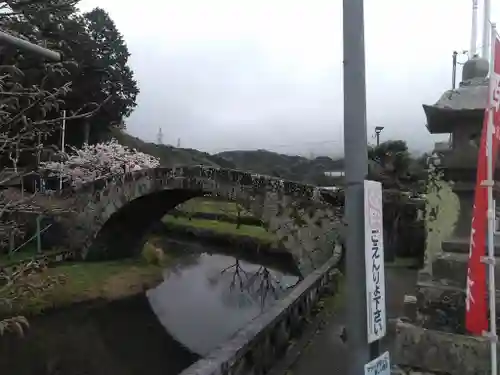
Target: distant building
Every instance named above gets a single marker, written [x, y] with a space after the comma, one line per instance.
[337, 177]
[332, 188]
[335, 174]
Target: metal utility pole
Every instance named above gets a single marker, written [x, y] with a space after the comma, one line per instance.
[29, 47]
[378, 130]
[454, 71]
[473, 34]
[486, 30]
[356, 169]
[63, 142]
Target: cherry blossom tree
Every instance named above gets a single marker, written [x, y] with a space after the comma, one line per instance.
[97, 161]
[27, 116]
[31, 100]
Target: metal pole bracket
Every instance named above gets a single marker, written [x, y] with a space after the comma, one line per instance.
[489, 260]
[492, 337]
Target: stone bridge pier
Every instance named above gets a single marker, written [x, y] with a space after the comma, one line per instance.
[112, 216]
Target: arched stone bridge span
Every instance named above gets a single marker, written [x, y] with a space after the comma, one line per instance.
[112, 216]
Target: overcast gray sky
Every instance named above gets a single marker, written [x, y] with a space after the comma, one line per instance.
[248, 74]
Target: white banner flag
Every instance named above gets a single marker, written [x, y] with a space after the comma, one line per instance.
[374, 261]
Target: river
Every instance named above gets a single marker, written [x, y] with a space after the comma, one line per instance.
[230, 291]
[206, 296]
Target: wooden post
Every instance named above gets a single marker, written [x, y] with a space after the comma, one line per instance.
[38, 151]
[11, 243]
[38, 235]
[86, 132]
[238, 217]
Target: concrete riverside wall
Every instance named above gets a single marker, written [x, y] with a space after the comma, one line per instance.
[256, 348]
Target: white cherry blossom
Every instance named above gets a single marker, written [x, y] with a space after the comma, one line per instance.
[96, 161]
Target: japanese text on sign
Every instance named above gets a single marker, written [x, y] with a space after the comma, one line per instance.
[374, 261]
[379, 366]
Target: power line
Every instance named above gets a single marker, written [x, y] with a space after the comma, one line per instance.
[330, 141]
[284, 145]
[274, 146]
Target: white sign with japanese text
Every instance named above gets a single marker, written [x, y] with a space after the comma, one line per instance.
[379, 366]
[374, 261]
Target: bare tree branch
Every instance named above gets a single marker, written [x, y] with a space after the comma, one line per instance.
[28, 114]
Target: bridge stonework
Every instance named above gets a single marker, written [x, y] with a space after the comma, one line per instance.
[111, 217]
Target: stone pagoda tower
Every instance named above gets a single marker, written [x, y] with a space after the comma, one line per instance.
[441, 285]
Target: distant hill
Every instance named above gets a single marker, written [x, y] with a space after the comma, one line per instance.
[171, 156]
[295, 168]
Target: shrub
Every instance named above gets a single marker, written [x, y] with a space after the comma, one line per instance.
[152, 254]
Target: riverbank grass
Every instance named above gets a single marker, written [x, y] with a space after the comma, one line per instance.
[212, 206]
[222, 227]
[86, 281]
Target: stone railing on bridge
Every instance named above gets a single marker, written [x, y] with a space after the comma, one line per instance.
[257, 347]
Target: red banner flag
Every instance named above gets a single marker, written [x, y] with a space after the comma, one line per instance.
[476, 319]
[476, 316]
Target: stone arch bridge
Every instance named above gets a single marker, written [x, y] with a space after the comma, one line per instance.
[110, 217]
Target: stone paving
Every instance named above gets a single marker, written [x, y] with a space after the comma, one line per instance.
[327, 353]
[407, 371]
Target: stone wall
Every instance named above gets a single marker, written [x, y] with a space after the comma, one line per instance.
[256, 348]
[440, 352]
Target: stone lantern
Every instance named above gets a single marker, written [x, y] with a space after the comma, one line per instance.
[441, 285]
[460, 113]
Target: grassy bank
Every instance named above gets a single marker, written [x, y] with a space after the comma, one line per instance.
[76, 282]
[222, 227]
[24, 254]
[109, 280]
[213, 206]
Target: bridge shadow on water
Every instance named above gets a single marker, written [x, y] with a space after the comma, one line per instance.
[204, 299]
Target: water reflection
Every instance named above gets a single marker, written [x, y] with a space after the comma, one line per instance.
[249, 287]
[206, 298]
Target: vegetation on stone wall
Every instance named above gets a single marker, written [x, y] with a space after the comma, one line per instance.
[441, 214]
